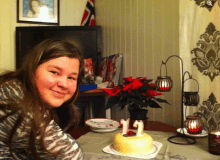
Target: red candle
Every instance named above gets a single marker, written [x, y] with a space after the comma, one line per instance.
[214, 142]
[193, 124]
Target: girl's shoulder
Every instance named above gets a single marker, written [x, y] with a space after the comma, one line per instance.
[11, 91]
[13, 82]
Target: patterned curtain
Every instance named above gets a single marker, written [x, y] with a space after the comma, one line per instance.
[200, 51]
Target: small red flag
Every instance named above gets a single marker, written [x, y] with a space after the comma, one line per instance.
[88, 18]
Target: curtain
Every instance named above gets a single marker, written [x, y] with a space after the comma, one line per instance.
[199, 48]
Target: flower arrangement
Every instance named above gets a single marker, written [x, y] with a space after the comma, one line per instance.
[138, 93]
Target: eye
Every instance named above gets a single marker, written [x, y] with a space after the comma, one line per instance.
[54, 72]
[72, 78]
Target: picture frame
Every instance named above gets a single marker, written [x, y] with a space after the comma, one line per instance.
[38, 11]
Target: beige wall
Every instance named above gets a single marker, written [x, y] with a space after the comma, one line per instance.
[145, 32]
[71, 12]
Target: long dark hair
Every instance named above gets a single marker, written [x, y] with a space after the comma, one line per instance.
[32, 102]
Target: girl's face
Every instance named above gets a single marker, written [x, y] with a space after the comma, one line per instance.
[56, 80]
[35, 6]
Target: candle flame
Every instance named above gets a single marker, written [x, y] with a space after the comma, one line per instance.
[218, 133]
[164, 84]
[193, 125]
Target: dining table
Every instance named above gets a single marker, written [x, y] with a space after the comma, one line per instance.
[93, 143]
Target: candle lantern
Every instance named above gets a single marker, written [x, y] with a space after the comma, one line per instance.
[164, 84]
[214, 142]
[191, 98]
[194, 124]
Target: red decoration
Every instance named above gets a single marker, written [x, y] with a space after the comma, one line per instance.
[136, 93]
[88, 67]
[130, 133]
[112, 91]
[164, 88]
[88, 18]
[130, 84]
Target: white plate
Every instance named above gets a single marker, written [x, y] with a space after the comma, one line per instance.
[151, 154]
[103, 130]
[203, 134]
[102, 123]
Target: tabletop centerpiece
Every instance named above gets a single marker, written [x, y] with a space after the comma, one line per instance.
[133, 143]
[138, 94]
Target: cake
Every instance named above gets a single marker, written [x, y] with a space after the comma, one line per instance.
[133, 143]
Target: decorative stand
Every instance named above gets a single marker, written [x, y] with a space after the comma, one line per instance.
[164, 84]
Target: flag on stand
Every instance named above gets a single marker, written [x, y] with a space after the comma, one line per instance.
[88, 18]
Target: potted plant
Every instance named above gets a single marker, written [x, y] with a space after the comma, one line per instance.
[138, 94]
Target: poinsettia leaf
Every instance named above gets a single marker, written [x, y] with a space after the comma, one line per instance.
[112, 101]
[149, 80]
[161, 100]
[153, 104]
[135, 93]
[142, 98]
[121, 93]
[146, 80]
[144, 87]
[138, 102]
[123, 102]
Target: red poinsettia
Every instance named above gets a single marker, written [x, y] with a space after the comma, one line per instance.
[138, 93]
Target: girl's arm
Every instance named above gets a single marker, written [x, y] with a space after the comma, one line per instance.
[56, 140]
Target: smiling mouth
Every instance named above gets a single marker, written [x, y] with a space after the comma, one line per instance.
[58, 94]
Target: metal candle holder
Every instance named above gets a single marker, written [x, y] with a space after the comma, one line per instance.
[193, 124]
[187, 98]
[191, 98]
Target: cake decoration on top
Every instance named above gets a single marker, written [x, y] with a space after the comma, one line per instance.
[129, 142]
[140, 126]
[137, 124]
[125, 125]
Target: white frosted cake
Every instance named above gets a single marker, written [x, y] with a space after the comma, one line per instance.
[134, 144]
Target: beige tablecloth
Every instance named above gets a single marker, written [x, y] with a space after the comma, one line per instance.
[93, 143]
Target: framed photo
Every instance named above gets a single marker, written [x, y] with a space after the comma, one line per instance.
[38, 11]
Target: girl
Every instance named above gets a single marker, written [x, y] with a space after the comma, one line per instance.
[33, 100]
[34, 9]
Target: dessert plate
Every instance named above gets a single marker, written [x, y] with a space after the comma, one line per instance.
[104, 130]
[151, 154]
[102, 123]
[203, 134]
